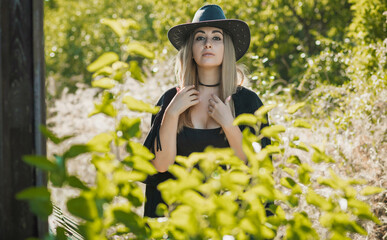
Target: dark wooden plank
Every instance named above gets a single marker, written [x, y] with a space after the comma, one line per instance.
[20, 97]
[39, 94]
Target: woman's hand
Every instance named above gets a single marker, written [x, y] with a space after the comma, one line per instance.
[220, 112]
[185, 98]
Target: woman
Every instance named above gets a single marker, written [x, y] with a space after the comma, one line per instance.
[201, 111]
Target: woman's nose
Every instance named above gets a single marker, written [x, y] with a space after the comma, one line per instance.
[208, 44]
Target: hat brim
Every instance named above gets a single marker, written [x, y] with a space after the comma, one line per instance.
[237, 29]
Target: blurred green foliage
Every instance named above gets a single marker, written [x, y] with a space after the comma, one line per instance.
[299, 49]
[302, 43]
[226, 197]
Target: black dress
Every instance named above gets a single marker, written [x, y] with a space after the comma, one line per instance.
[191, 140]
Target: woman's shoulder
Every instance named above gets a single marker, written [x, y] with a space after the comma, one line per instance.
[246, 94]
[170, 92]
[167, 96]
[246, 101]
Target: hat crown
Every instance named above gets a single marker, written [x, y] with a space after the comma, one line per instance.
[209, 13]
[213, 16]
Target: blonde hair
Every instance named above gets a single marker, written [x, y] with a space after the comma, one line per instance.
[186, 74]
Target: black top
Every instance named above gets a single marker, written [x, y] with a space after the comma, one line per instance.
[191, 140]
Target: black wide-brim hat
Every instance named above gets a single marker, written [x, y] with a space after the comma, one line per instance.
[213, 16]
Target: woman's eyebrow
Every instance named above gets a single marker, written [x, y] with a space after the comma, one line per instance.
[217, 31]
[201, 31]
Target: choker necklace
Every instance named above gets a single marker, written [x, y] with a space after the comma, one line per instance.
[209, 85]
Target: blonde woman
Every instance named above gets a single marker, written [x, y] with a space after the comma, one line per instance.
[200, 112]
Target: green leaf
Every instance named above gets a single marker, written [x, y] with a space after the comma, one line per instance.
[290, 171]
[50, 135]
[76, 183]
[279, 211]
[58, 176]
[225, 218]
[262, 111]
[76, 150]
[102, 61]
[356, 181]
[83, 207]
[138, 149]
[120, 26]
[292, 109]
[34, 193]
[362, 210]
[121, 68]
[105, 83]
[140, 164]
[299, 145]
[329, 182]
[184, 218]
[273, 131]
[105, 106]
[119, 65]
[138, 49]
[60, 234]
[123, 177]
[245, 119]
[40, 162]
[290, 183]
[139, 106]
[105, 71]
[132, 221]
[38, 199]
[114, 25]
[313, 198]
[292, 200]
[294, 160]
[178, 171]
[135, 71]
[162, 209]
[129, 127]
[320, 156]
[370, 190]
[238, 177]
[301, 124]
[341, 222]
[303, 173]
[135, 195]
[106, 189]
[104, 163]
[100, 142]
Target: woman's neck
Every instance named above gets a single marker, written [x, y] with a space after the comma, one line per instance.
[209, 76]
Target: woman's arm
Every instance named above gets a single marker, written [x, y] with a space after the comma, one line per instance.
[185, 98]
[235, 139]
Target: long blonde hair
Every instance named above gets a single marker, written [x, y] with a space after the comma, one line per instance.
[186, 74]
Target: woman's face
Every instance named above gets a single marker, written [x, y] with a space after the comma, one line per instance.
[208, 47]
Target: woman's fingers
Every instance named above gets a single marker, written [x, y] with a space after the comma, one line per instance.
[215, 98]
[187, 88]
[210, 109]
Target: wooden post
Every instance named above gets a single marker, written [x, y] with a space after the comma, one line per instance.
[22, 110]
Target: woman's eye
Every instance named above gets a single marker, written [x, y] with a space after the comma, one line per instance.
[217, 38]
[200, 38]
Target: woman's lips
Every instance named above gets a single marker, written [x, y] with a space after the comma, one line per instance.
[208, 54]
